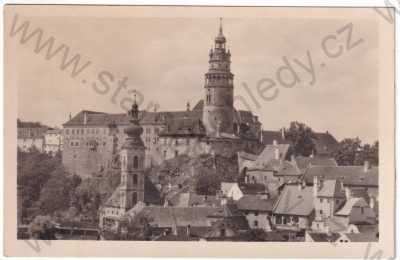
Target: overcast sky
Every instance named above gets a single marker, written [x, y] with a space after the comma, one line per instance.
[165, 59]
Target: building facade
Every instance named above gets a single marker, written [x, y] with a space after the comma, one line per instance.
[31, 135]
[92, 140]
[53, 141]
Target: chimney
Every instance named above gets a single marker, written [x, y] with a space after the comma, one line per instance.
[300, 186]
[188, 106]
[84, 118]
[188, 230]
[315, 186]
[348, 193]
[283, 133]
[224, 201]
[70, 116]
[366, 166]
[276, 152]
[372, 202]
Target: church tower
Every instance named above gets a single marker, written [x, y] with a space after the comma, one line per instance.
[132, 157]
[218, 97]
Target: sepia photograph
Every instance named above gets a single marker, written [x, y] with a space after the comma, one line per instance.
[200, 125]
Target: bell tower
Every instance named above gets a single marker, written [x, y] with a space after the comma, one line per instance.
[218, 97]
[132, 156]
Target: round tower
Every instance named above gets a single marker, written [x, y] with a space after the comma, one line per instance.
[218, 97]
[132, 163]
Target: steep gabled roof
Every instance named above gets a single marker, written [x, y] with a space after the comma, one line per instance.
[177, 216]
[269, 137]
[325, 143]
[295, 201]
[349, 205]
[255, 203]
[350, 175]
[304, 162]
[268, 154]
[331, 189]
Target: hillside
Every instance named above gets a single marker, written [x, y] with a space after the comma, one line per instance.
[202, 174]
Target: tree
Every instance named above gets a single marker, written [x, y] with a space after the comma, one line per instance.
[352, 152]
[301, 137]
[33, 171]
[368, 153]
[348, 151]
[42, 228]
[208, 183]
[56, 193]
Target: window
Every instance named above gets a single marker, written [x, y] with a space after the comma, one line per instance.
[223, 232]
[320, 211]
[176, 153]
[135, 179]
[135, 162]
[295, 219]
[256, 214]
[362, 210]
[255, 223]
[278, 219]
[321, 200]
[176, 142]
[73, 131]
[66, 131]
[165, 153]
[134, 198]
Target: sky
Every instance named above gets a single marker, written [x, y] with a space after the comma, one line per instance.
[165, 59]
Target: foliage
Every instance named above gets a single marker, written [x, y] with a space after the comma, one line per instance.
[42, 228]
[57, 191]
[34, 169]
[208, 183]
[301, 137]
[352, 152]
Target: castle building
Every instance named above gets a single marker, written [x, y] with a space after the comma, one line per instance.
[132, 185]
[92, 139]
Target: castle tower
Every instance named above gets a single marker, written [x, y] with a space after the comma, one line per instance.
[218, 108]
[132, 163]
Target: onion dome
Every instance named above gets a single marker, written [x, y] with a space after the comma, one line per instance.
[220, 37]
[134, 129]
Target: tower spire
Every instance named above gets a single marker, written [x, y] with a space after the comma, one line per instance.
[220, 25]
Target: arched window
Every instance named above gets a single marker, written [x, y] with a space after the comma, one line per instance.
[135, 179]
[135, 162]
